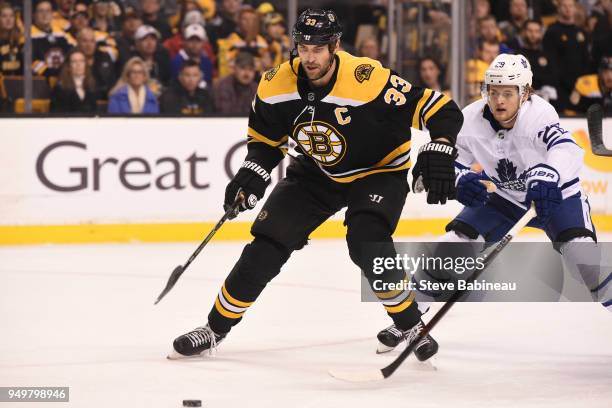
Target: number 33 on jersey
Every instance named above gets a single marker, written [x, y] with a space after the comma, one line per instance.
[358, 124]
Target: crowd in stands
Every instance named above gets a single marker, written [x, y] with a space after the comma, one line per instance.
[200, 57]
[567, 42]
[131, 57]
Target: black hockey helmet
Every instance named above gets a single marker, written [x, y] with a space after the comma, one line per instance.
[317, 27]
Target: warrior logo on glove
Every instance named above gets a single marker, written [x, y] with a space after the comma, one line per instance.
[251, 180]
[436, 167]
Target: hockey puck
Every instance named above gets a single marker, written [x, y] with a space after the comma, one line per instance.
[192, 403]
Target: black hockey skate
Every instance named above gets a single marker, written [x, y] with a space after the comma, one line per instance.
[195, 343]
[391, 337]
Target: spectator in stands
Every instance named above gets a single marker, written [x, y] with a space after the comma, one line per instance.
[99, 62]
[132, 94]
[11, 42]
[80, 20]
[487, 51]
[529, 44]
[175, 43]
[156, 58]
[49, 45]
[369, 47]
[278, 42]
[125, 40]
[152, 16]
[186, 96]
[489, 32]
[246, 39]
[226, 20]
[487, 29]
[519, 13]
[192, 50]
[538, 9]
[600, 19]
[234, 94]
[567, 48]
[430, 75]
[75, 91]
[593, 88]
[206, 9]
[61, 17]
[482, 9]
[264, 9]
[104, 16]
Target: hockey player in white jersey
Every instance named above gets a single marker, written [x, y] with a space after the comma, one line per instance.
[515, 139]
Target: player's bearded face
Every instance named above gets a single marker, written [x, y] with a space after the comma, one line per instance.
[503, 101]
[315, 59]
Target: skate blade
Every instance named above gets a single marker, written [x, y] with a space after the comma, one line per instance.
[431, 364]
[381, 349]
[174, 355]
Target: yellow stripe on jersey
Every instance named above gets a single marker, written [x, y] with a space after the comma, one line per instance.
[416, 117]
[353, 177]
[395, 153]
[259, 137]
[443, 101]
[402, 306]
[233, 301]
[225, 312]
[363, 90]
[278, 81]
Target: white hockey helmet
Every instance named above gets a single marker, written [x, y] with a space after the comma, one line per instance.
[508, 69]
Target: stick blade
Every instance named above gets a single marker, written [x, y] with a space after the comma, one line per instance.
[595, 115]
[174, 277]
[357, 376]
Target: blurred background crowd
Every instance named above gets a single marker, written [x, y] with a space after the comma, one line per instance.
[205, 57]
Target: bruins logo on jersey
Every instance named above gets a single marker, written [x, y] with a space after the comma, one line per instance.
[271, 72]
[363, 72]
[321, 141]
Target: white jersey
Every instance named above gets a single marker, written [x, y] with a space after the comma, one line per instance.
[506, 155]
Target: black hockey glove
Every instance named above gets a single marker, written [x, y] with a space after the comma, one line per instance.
[252, 180]
[436, 167]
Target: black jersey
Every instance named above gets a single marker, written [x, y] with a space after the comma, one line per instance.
[49, 50]
[11, 57]
[358, 124]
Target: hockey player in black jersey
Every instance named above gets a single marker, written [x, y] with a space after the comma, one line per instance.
[350, 118]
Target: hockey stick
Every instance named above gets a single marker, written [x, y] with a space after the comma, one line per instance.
[178, 271]
[595, 125]
[381, 374]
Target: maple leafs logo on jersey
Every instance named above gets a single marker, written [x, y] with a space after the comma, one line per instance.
[506, 171]
[363, 72]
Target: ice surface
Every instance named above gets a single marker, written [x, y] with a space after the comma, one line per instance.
[83, 316]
